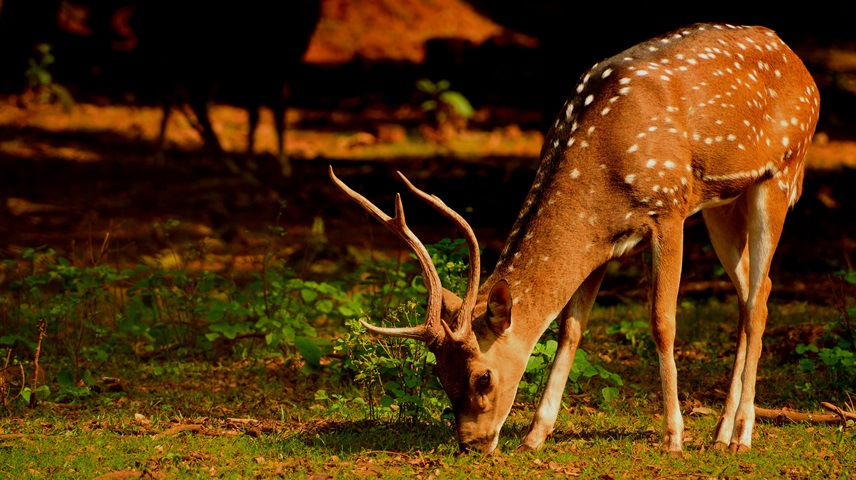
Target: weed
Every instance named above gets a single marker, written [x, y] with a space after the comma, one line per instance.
[835, 358]
[40, 80]
[450, 110]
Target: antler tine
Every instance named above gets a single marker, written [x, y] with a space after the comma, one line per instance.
[472, 246]
[431, 331]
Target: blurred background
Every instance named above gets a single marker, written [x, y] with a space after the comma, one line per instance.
[117, 116]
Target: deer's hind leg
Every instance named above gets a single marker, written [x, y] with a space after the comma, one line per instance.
[744, 235]
[727, 228]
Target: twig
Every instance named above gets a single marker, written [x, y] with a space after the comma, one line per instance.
[784, 415]
[838, 411]
[244, 421]
[42, 332]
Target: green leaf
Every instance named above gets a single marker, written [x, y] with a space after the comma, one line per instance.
[321, 395]
[215, 314]
[806, 365]
[87, 378]
[550, 348]
[43, 392]
[308, 350]
[308, 295]
[324, 306]
[425, 85]
[65, 379]
[459, 103]
[535, 362]
[609, 394]
[229, 330]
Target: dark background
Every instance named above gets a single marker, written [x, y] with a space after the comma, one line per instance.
[240, 52]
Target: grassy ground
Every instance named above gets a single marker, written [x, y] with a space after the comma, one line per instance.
[259, 418]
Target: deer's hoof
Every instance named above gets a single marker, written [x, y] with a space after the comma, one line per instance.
[523, 448]
[739, 448]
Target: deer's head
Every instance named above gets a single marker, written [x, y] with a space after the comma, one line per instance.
[470, 337]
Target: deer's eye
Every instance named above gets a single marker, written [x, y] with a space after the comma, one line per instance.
[484, 381]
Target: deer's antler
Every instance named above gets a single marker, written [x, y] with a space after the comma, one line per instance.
[463, 326]
[431, 332]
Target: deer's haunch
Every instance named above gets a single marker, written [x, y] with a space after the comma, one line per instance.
[711, 118]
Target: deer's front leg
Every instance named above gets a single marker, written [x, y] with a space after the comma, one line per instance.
[667, 253]
[571, 325]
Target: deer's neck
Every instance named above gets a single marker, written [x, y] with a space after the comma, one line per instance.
[563, 233]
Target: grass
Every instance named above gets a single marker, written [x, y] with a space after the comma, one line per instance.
[235, 407]
[258, 418]
[102, 439]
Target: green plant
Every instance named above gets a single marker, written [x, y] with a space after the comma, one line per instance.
[40, 80]
[637, 334]
[837, 360]
[583, 371]
[159, 309]
[395, 375]
[450, 110]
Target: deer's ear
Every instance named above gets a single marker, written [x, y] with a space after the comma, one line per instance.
[499, 307]
[451, 306]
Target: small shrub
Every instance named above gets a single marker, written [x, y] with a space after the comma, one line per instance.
[836, 363]
[450, 110]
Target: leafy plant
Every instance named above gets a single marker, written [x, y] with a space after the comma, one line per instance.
[637, 334]
[582, 372]
[395, 375]
[40, 80]
[450, 110]
[838, 361]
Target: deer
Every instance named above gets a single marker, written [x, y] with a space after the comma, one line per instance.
[715, 118]
[248, 54]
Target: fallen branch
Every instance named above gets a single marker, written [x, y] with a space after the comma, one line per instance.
[785, 415]
[841, 413]
[244, 421]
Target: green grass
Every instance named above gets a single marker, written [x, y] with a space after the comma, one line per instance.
[282, 431]
[102, 436]
[224, 378]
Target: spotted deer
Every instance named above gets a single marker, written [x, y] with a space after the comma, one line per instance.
[710, 118]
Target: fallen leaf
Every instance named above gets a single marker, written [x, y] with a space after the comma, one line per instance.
[141, 419]
[702, 411]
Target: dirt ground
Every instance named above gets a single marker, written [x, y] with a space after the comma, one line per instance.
[86, 180]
